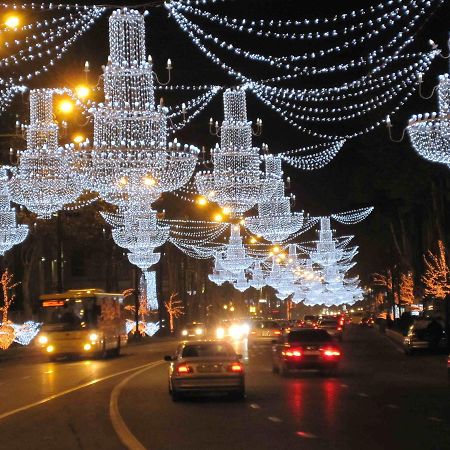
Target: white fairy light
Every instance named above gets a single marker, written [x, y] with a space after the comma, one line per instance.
[275, 222]
[26, 332]
[44, 180]
[430, 133]
[236, 181]
[10, 233]
[131, 162]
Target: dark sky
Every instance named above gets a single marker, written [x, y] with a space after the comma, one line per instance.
[370, 170]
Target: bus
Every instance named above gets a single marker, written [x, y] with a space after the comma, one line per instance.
[86, 322]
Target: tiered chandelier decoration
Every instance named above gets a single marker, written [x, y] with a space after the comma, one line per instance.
[275, 222]
[236, 181]
[430, 133]
[44, 180]
[131, 163]
[10, 233]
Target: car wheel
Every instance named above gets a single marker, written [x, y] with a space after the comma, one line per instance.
[176, 396]
[284, 370]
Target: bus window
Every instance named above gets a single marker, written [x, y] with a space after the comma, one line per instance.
[71, 314]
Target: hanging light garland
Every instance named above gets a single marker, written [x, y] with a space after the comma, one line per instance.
[44, 180]
[131, 163]
[11, 234]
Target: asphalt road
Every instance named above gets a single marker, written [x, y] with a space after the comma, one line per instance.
[381, 399]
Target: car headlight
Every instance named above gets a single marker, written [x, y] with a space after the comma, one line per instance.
[198, 331]
[245, 328]
[184, 333]
[93, 337]
[235, 331]
[220, 333]
[42, 339]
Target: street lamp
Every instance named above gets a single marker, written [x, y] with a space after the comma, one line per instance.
[82, 91]
[12, 21]
[65, 106]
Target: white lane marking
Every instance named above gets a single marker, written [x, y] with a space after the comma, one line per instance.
[306, 435]
[435, 419]
[68, 391]
[275, 419]
[123, 432]
[255, 406]
[362, 394]
[392, 406]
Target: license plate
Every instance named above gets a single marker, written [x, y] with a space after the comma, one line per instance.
[209, 369]
[311, 353]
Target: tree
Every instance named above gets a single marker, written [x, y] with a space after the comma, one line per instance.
[436, 278]
[407, 288]
[386, 282]
[6, 330]
[174, 309]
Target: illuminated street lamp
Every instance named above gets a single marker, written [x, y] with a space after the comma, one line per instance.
[82, 91]
[12, 21]
[65, 106]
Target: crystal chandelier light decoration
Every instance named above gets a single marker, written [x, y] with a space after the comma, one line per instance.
[430, 133]
[275, 222]
[131, 162]
[44, 180]
[234, 258]
[236, 181]
[10, 233]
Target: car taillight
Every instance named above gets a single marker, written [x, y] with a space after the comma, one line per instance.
[293, 352]
[184, 368]
[330, 352]
[252, 332]
[339, 328]
[236, 368]
[277, 332]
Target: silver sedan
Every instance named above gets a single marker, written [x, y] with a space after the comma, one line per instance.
[204, 367]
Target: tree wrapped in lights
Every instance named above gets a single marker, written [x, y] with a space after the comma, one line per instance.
[7, 331]
[236, 181]
[45, 179]
[407, 288]
[436, 278]
[10, 233]
[131, 162]
[174, 309]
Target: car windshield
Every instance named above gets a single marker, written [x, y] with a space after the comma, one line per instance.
[69, 314]
[309, 336]
[208, 350]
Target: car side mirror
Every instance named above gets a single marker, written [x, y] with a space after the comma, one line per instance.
[168, 358]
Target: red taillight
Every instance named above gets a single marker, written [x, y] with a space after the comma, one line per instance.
[277, 332]
[293, 352]
[184, 368]
[236, 368]
[339, 328]
[331, 352]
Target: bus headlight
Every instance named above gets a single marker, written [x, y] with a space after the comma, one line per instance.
[50, 349]
[198, 331]
[87, 347]
[93, 337]
[43, 339]
[184, 333]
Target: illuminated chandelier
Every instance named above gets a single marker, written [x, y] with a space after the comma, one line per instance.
[236, 181]
[10, 233]
[44, 180]
[234, 258]
[257, 276]
[241, 283]
[275, 222]
[131, 162]
[430, 133]
[219, 275]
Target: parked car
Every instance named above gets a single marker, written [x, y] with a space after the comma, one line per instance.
[425, 333]
[205, 367]
[367, 321]
[333, 325]
[305, 348]
[263, 331]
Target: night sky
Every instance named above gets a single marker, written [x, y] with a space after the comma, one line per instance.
[369, 170]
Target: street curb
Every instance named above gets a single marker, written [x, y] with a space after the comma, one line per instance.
[396, 339]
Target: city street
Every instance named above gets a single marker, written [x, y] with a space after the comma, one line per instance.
[381, 399]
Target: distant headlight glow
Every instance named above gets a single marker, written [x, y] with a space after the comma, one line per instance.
[93, 337]
[43, 339]
[184, 333]
[220, 333]
[198, 331]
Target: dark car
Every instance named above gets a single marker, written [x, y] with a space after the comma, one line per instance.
[367, 321]
[305, 348]
[310, 321]
[426, 333]
[333, 325]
